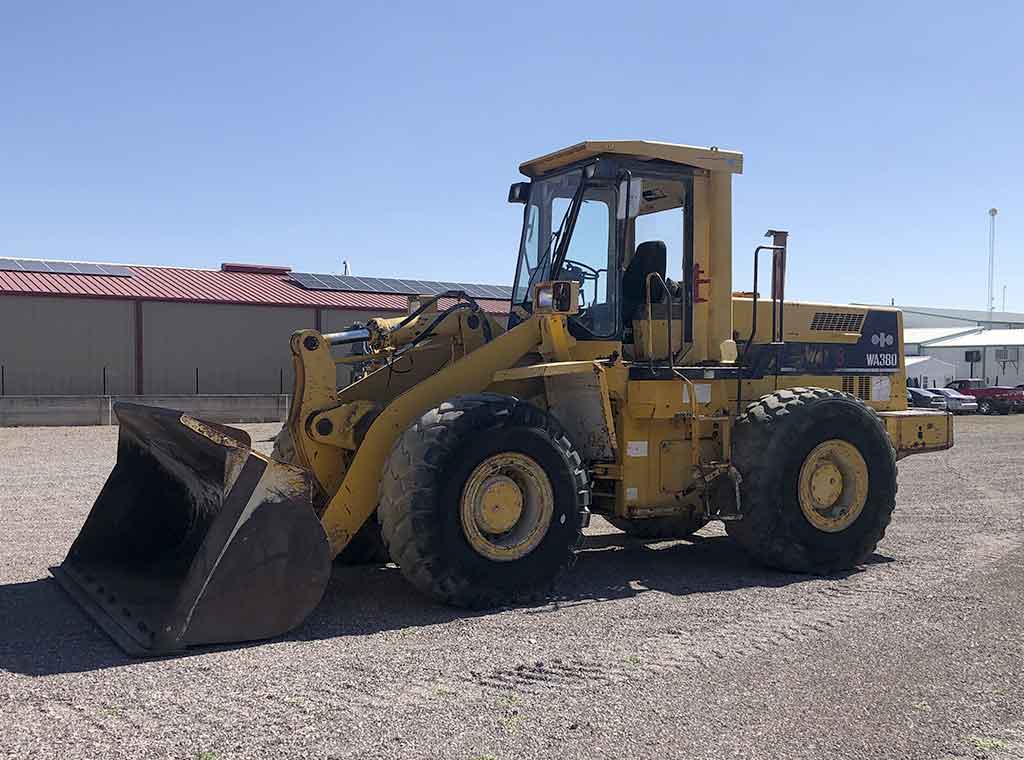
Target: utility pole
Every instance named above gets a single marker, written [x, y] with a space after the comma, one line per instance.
[991, 304]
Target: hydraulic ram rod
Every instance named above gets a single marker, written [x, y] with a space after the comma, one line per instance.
[355, 335]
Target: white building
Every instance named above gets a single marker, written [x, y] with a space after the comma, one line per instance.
[991, 354]
[929, 371]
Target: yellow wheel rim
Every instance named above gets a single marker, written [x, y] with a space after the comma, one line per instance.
[506, 506]
[833, 485]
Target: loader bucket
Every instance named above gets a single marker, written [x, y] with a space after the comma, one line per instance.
[196, 539]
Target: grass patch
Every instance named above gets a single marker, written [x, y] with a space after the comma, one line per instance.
[987, 742]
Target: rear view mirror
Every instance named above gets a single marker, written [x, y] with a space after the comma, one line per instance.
[519, 192]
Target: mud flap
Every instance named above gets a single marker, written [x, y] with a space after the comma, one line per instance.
[196, 539]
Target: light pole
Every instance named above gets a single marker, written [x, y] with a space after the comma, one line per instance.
[991, 260]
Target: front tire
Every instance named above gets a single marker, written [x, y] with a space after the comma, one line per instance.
[483, 501]
[985, 406]
[819, 480]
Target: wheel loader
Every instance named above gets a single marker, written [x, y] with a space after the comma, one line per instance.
[629, 380]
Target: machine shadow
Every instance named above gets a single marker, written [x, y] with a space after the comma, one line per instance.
[45, 633]
[366, 600]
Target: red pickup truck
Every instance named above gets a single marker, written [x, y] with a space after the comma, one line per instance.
[991, 398]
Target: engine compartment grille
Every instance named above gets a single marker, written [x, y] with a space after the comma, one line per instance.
[857, 385]
[837, 321]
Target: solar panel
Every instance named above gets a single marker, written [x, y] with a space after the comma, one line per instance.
[308, 281]
[364, 286]
[326, 282]
[330, 282]
[345, 282]
[391, 285]
[115, 270]
[419, 287]
[423, 288]
[348, 282]
[379, 285]
[63, 267]
[387, 285]
[492, 291]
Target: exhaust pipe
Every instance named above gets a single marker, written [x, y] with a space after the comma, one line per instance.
[196, 539]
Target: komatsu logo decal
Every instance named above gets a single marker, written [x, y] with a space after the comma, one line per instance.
[882, 340]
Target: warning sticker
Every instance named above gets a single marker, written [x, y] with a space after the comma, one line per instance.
[703, 393]
[881, 388]
[636, 449]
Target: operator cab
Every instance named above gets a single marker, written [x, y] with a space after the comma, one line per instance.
[618, 218]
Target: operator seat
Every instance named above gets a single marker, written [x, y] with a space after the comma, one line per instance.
[650, 256]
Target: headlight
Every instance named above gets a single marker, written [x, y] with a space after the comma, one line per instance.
[557, 297]
[545, 299]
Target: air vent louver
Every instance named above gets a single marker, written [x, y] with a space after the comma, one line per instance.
[837, 321]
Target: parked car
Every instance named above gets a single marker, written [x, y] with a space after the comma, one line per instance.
[992, 399]
[957, 402]
[926, 399]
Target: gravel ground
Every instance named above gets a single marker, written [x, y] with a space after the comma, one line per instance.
[678, 649]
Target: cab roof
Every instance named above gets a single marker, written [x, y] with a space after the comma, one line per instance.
[711, 159]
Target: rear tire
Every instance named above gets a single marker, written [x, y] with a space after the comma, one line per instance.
[367, 546]
[984, 407]
[434, 499]
[781, 445]
[661, 528]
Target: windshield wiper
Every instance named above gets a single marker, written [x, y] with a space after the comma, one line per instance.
[556, 237]
[565, 233]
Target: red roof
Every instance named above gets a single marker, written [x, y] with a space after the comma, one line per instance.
[206, 286]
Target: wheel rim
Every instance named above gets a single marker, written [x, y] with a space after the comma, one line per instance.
[833, 486]
[506, 506]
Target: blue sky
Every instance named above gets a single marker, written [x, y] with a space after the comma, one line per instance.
[387, 134]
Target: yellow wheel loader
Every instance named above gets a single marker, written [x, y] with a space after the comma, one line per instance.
[630, 381]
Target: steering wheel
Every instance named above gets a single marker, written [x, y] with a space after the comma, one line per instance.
[577, 270]
[585, 271]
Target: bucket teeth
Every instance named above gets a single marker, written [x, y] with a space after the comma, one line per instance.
[196, 539]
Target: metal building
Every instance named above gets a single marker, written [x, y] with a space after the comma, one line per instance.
[993, 355]
[73, 328]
